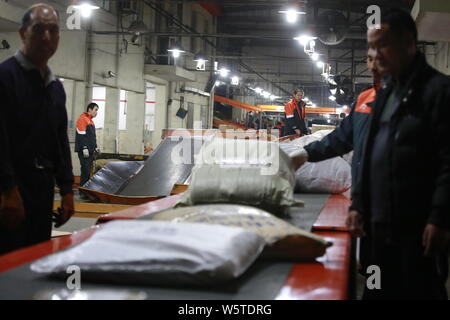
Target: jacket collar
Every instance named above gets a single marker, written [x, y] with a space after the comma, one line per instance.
[295, 101]
[26, 64]
[88, 115]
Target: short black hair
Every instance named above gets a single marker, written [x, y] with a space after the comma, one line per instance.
[91, 106]
[399, 21]
[299, 90]
[26, 18]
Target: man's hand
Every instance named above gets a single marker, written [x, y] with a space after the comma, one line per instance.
[85, 153]
[434, 240]
[97, 150]
[299, 158]
[298, 132]
[12, 212]
[354, 224]
[67, 210]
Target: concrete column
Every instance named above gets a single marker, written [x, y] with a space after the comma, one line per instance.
[133, 140]
[111, 120]
[160, 113]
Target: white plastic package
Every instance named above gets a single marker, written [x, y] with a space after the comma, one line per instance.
[249, 172]
[328, 176]
[157, 252]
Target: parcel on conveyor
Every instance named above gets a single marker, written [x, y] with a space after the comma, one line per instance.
[249, 172]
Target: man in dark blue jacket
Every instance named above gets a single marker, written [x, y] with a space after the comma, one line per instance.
[33, 136]
[402, 197]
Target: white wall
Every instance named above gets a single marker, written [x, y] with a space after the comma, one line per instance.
[442, 57]
[71, 63]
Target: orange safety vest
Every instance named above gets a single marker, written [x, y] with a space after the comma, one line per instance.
[291, 106]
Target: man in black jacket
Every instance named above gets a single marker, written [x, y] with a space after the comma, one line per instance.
[34, 147]
[402, 197]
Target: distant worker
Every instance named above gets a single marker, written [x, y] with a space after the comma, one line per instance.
[296, 114]
[86, 141]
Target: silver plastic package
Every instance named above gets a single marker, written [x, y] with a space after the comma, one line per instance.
[328, 176]
[157, 252]
[249, 172]
[283, 240]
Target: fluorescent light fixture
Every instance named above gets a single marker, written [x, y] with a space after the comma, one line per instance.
[314, 105]
[291, 15]
[320, 64]
[306, 98]
[258, 90]
[224, 72]
[176, 52]
[304, 39]
[235, 80]
[315, 56]
[200, 56]
[332, 98]
[86, 9]
[265, 94]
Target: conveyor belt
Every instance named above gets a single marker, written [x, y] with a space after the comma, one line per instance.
[160, 172]
[114, 176]
[154, 177]
[263, 280]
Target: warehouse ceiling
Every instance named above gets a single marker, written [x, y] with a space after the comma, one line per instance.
[255, 33]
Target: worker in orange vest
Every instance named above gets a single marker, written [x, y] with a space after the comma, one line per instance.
[296, 114]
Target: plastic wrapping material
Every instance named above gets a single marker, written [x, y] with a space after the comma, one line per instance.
[157, 252]
[283, 240]
[249, 172]
[328, 176]
[348, 157]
